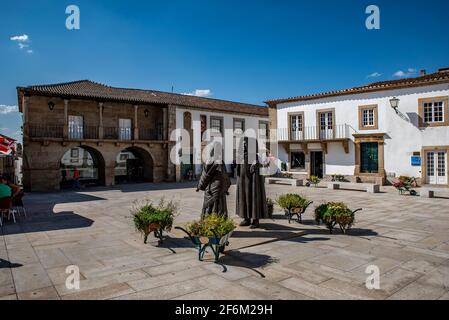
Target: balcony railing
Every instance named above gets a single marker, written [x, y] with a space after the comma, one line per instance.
[45, 131]
[315, 133]
[92, 133]
[82, 132]
[117, 133]
[150, 134]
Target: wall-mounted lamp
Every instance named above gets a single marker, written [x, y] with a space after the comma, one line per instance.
[147, 113]
[51, 106]
[394, 104]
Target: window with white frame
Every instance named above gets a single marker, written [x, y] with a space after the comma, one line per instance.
[216, 124]
[368, 118]
[239, 126]
[433, 111]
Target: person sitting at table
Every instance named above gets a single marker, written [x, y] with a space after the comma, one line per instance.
[5, 190]
[15, 189]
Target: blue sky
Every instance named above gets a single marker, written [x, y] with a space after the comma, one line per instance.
[246, 51]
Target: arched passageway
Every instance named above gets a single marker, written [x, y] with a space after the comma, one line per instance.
[134, 165]
[88, 162]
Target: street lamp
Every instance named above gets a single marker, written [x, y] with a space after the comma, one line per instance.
[51, 106]
[394, 104]
[147, 113]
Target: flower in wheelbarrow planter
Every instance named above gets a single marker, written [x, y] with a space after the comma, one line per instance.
[150, 218]
[293, 204]
[213, 225]
[333, 213]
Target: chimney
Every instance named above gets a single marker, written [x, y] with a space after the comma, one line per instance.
[422, 72]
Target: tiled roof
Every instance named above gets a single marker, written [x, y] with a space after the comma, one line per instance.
[442, 76]
[86, 89]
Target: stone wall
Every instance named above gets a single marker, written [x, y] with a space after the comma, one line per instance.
[41, 164]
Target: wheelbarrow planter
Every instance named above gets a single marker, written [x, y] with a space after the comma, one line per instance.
[297, 211]
[216, 244]
[403, 188]
[156, 229]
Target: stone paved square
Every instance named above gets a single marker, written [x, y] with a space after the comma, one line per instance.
[406, 237]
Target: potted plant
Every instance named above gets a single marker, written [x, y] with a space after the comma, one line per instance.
[405, 184]
[313, 180]
[333, 213]
[213, 231]
[293, 205]
[150, 218]
[270, 205]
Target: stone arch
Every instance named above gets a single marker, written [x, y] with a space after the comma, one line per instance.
[97, 167]
[139, 168]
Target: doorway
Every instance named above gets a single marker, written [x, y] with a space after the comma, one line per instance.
[436, 167]
[317, 163]
[369, 157]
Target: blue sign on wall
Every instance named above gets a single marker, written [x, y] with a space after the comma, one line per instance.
[416, 161]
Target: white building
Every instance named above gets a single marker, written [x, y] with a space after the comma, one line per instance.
[359, 134]
[200, 124]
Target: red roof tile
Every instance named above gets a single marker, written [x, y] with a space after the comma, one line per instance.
[442, 76]
[86, 89]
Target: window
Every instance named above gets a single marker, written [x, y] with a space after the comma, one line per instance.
[125, 131]
[296, 126]
[298, 160]
[368, 117]
[239, 126]
[216, 124]
[76, 128]
[203, 119]
[264, 131]
[433, 112]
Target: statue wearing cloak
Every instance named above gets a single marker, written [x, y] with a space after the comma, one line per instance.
[251, 197]
[215, 183]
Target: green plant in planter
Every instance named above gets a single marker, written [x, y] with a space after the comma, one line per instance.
[315, 181]
[293, 205]
[334, 213]
[213, 225]
[150, 218]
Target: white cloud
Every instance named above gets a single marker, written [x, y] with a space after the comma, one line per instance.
[374, 75]
[204, 93]
[408, 73]
[22, 42]
[22, 38]
[4, 109]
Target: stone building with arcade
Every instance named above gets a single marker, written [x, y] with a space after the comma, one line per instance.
[116, 135]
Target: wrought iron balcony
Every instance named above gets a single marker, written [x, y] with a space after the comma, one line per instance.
[315, 133]
[150, 134]
[74, 132]
[45, 131]
[82, 132]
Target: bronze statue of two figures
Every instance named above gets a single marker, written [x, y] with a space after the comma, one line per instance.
[251, 201]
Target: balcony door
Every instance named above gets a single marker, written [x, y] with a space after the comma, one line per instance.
[76, 128]
[297, 127]
[125, 129]
[436, 167]
[326, 125]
